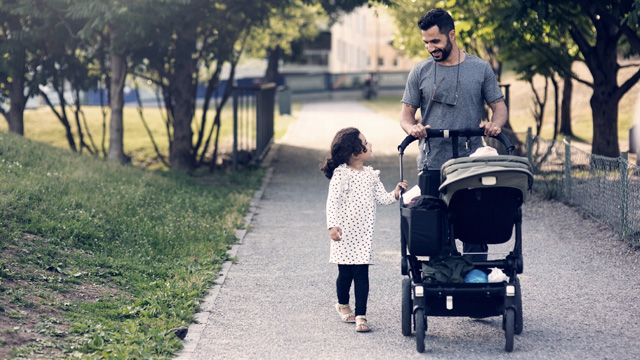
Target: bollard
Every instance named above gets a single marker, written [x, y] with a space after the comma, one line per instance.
[284, 100]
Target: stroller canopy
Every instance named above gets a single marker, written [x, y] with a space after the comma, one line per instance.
[484, 172]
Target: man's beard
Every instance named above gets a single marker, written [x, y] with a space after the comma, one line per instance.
[445, 52]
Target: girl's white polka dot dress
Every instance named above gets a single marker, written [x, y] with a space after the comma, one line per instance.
[351, 205]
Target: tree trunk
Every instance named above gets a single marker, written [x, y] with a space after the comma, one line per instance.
[183, 90]
[116, 128]
[539, 103]
[556, 107]
[604, 108]
[212, 87]
[62, 116]
[81, 142]
[16, 111]
[17, 98]
[272, 74]
[565, 115]
[604, 101]
[602, 61]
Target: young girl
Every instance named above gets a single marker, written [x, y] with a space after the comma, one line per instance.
[351, 213]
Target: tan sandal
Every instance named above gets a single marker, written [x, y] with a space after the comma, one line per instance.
[361, 324]
[347, 317]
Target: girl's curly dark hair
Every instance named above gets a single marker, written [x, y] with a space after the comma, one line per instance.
[346, 143]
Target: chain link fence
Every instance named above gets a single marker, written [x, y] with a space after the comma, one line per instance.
[607, 189]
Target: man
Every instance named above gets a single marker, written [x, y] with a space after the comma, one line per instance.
[450, 88]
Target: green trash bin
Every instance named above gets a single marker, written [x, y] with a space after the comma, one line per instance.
[284, 100]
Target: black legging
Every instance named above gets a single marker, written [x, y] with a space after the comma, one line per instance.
[359, 275]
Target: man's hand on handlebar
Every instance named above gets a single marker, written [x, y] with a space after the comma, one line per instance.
[419, 131]
[490, 129]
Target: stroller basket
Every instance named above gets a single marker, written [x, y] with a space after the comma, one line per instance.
[480, 300]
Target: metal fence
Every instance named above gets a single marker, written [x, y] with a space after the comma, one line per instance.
[253, 113]
[608, 189]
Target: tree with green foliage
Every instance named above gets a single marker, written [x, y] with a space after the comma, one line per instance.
[189, 44]
[19, 46]
[533, 51]
[559, 32]
[602, 31]
[120, 28]
[297, 21]
[47, 43]
[67, 65]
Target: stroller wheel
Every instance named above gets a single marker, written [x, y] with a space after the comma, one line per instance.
[421, 328]
[509, 321]
[407, 306]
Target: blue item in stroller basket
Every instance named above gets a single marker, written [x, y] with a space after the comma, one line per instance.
[476, 276]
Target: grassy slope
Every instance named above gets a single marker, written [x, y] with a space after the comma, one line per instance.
[104, 259]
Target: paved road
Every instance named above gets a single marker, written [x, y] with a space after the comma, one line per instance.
[581, 293]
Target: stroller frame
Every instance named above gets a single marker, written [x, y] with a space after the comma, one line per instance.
[476, 300]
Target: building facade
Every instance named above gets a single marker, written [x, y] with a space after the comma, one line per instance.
[359, 42]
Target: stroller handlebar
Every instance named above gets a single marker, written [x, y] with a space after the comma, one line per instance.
[442, 133]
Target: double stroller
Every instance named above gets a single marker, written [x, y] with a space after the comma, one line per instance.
[479, 202]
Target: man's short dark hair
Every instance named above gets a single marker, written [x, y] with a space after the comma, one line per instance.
[437, 17]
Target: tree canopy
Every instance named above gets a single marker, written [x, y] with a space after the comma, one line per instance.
[87, 43]
[545, 37]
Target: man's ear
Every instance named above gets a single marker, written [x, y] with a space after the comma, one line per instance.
[452, 35]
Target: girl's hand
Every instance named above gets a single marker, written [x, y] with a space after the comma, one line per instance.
[335, 233]
[401, 186]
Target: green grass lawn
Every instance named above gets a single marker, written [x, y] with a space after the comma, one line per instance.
[43, 126]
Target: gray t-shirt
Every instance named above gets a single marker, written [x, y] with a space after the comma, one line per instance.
[477, 85]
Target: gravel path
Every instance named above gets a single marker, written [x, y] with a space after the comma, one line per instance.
[581, 294]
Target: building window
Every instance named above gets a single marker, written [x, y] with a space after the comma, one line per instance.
[380, 61]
